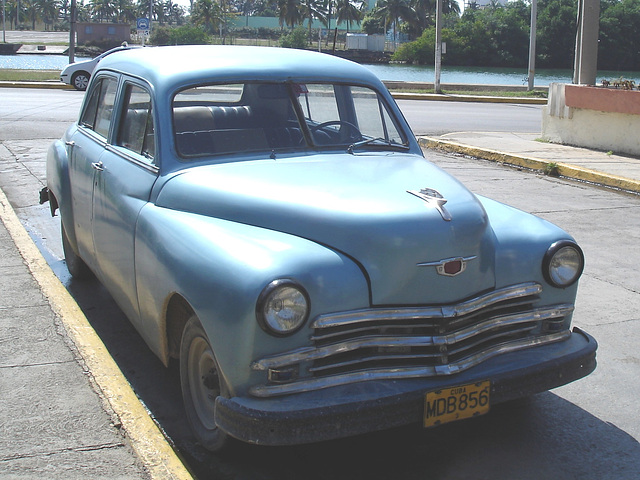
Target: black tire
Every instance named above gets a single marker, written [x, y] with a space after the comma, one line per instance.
[76, 266]
[80, 80]
[201, 384]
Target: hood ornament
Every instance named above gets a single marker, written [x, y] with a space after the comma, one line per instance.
[434, 199]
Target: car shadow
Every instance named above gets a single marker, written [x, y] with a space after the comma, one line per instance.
[540, 437]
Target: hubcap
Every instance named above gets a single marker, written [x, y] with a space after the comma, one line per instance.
[203, 381]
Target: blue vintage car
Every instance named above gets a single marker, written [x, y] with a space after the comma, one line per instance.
[267, 218]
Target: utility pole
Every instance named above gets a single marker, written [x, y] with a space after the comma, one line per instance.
[150, 16]
[532, 44]
[436, 83]
[72, 32]
[4, 24]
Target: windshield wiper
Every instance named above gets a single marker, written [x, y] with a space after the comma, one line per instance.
[382, 142]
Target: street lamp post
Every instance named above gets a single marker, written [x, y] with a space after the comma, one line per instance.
[532, 44]
[436, 83]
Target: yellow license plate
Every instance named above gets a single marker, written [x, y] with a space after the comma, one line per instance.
[456, 403]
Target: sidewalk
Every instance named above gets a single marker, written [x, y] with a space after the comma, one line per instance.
[66, 411]
[524, 150]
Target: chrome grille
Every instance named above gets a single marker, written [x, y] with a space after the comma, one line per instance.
[385, 343]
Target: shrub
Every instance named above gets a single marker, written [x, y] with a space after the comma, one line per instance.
[295, 39]
[183, 35]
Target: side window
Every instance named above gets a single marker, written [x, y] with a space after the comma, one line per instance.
[98, 110]
[373, 118]
[136, 126]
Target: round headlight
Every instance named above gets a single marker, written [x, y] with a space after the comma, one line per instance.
[283, 307]
[563, 264]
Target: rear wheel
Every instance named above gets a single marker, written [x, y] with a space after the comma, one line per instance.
[201, 384]
[76, 266]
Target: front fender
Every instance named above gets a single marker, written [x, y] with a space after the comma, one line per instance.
[522, 240]
[220, 268]
[59, 184]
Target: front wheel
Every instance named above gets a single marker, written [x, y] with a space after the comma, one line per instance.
[80, 80]
[201, 384]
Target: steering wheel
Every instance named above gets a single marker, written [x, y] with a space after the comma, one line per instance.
[353, 134]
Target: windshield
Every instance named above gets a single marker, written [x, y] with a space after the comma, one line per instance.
[236, 118]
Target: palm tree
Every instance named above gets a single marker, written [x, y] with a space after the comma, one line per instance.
[174, 12]
[102, 10]
[393, 11]
[32, 12]
[349, 11]
[314, 9]
[47, 10]
[290, 13]
[208, 14]
[125, 11]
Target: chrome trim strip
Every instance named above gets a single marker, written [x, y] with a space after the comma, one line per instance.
[447, 311]
[264, 391]
[313, 353]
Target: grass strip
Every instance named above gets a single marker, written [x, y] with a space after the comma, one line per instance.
[16, 75]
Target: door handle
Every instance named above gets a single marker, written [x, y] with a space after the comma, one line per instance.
[99, 166]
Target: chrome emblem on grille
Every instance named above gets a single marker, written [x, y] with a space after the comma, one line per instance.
[449, 267]
[434, 199]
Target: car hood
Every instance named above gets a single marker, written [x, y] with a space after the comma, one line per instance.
[361, 206]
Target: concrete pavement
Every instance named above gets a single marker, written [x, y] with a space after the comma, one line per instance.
[66, 410]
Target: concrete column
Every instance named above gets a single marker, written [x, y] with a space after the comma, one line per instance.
[586, 62]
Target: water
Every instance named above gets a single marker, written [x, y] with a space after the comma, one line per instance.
[486, 75]
[399, 72]
[468, 75]
[34, 61]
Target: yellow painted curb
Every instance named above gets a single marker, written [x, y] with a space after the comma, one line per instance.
[45, 85]
[564, 169]
[148, 441]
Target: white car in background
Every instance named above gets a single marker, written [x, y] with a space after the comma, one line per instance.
[79, 73]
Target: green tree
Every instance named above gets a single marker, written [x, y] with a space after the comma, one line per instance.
[618, 48]
[373, 22]
[556, 33]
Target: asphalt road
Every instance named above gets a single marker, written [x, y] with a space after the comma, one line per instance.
[438, 118]
[588, 430]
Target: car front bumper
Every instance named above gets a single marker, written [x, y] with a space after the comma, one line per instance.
[377, 405]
